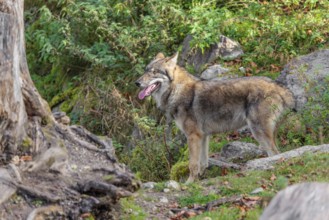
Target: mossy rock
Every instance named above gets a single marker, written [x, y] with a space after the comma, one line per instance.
[66, 100]
[179, 171]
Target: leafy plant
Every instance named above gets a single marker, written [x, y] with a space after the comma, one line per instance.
[85, 55]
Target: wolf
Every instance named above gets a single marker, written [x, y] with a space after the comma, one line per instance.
[201, 108]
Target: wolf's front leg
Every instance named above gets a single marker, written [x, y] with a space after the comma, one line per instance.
[194, 142]
[204, 154]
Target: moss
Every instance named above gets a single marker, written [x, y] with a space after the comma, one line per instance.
[62, 145]
[108, 177]
[179, 171]
[26, 143]
[67, 106]
[68, 95]
[46, 120]
[51, 161]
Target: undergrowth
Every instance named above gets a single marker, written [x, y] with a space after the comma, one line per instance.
[310, 167]
[85, 55]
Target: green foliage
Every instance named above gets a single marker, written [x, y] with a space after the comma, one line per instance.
[224, 213]
[130, 210]
[179, 171]
[152, 157]
[26, 144]
[309, 167]
[281, 182]
[197, 196]
[310, 125]
[84, 56]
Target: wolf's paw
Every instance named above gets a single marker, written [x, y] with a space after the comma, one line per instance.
[191, 179]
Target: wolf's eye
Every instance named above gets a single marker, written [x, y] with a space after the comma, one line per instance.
[154, 71]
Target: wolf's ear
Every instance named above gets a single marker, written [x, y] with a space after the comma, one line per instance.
[172, 61]
[159, 56]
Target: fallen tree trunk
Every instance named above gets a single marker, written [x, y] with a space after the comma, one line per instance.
[55, 170]
[224, 164]
[268, 162]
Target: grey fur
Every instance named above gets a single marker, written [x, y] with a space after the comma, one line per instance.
[201, 108]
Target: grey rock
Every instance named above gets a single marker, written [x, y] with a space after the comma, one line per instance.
[163, 199]
[305, 201]
[171, 184]
[213, 72]
[166, 190]
[242, 69]
[241, 152]
[148, 185]
[225, 49]
[304, 73]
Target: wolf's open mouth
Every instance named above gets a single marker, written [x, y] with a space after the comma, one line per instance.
[147, 91]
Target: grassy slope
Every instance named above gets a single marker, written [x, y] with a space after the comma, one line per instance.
[309, 167]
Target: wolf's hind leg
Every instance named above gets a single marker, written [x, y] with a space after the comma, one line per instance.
[194, 142]
[264, 134]
[204, 154]
[262, 120]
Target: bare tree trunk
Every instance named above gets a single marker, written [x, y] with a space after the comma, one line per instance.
[12, 109]
[66, 167]
[19, 99]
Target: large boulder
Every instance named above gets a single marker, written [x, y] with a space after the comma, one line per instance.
[304, 201]
[241, 152]
[303, 74]
[214, 72]
[224, 49]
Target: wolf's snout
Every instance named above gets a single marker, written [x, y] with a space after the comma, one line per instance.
[137, 83]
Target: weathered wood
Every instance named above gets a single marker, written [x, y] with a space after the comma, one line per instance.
[189, 212]
[221, 201]
[220, 163]
[268, 162]
[12, 109]
[63, 166]
[7, 189]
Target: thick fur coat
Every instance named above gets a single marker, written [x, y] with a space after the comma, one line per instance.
[201, 107]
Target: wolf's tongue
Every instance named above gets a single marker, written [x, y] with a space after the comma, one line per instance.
[147, 91]
[142, 94]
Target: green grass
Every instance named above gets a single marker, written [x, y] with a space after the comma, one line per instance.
[309, 167]
[225, 213]
[131, 211]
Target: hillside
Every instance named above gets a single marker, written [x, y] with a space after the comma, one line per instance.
[85, 55]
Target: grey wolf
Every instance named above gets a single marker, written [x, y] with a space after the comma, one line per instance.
[201, 108]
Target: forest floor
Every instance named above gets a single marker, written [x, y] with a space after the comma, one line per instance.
[232, 195]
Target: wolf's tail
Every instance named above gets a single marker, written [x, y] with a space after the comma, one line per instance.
[289, 100]
[288, 97]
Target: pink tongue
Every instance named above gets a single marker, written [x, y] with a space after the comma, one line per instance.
[147, 91]
[142, 94]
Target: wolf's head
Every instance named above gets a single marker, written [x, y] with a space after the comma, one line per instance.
[157, 76]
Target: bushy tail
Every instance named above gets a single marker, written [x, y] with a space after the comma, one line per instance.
[289, 100]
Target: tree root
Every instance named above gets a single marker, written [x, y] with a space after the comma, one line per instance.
[70, 166]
